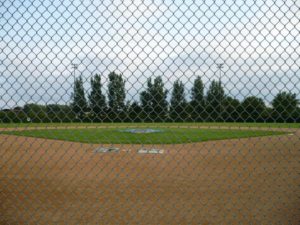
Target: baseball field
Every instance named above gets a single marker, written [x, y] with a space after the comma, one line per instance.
[205, 173]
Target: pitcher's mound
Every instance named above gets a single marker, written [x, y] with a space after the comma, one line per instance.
[141, 131]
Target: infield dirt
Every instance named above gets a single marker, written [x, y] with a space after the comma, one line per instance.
[242, 181]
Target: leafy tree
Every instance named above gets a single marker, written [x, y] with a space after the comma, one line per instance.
[297, 115]
[15, 115]
[116, 96]
[4, 117]
[79, 104]
[253, 109]
[153, 99]
[214, 100]
[231, 109]
[36, 113]
[285, 106]
[59, 113]
[198, 100]
[97, 100]
[178, 102]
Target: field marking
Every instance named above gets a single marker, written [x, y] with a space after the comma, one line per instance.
[106, 150]
[150, 151]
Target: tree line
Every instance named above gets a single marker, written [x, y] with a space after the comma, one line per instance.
[153, 106]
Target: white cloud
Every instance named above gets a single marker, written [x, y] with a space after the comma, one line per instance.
[144, 38]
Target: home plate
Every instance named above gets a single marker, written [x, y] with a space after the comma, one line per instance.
[150, 151]
[105, 150]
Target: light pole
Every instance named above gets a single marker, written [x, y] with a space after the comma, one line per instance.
[74, 67]
[220, 66]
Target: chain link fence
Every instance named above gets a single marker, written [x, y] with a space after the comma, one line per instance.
[149, 112]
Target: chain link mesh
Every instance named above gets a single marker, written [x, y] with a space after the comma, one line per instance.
[149, 112]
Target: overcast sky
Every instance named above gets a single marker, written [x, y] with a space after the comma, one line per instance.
[258, 41]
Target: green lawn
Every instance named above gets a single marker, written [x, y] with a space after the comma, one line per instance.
[118, 136]
[215, 124]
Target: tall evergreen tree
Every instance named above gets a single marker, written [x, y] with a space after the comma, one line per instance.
[97, 100]
[116, 96]
[214, 99]
[198, 100]
[134, 112]
[154, 100]
[147, 99]
[79, 104]
[178, 102]
[160, 104]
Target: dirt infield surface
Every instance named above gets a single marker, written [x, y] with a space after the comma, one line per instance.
[246, 181]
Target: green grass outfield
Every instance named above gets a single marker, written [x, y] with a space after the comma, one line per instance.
[205, 124]
[118, 136]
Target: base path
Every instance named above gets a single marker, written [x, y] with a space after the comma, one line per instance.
[247, 181]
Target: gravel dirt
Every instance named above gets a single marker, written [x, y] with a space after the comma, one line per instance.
[242, 181]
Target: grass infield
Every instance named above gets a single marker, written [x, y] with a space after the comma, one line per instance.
[196, 124]
[118, 136]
